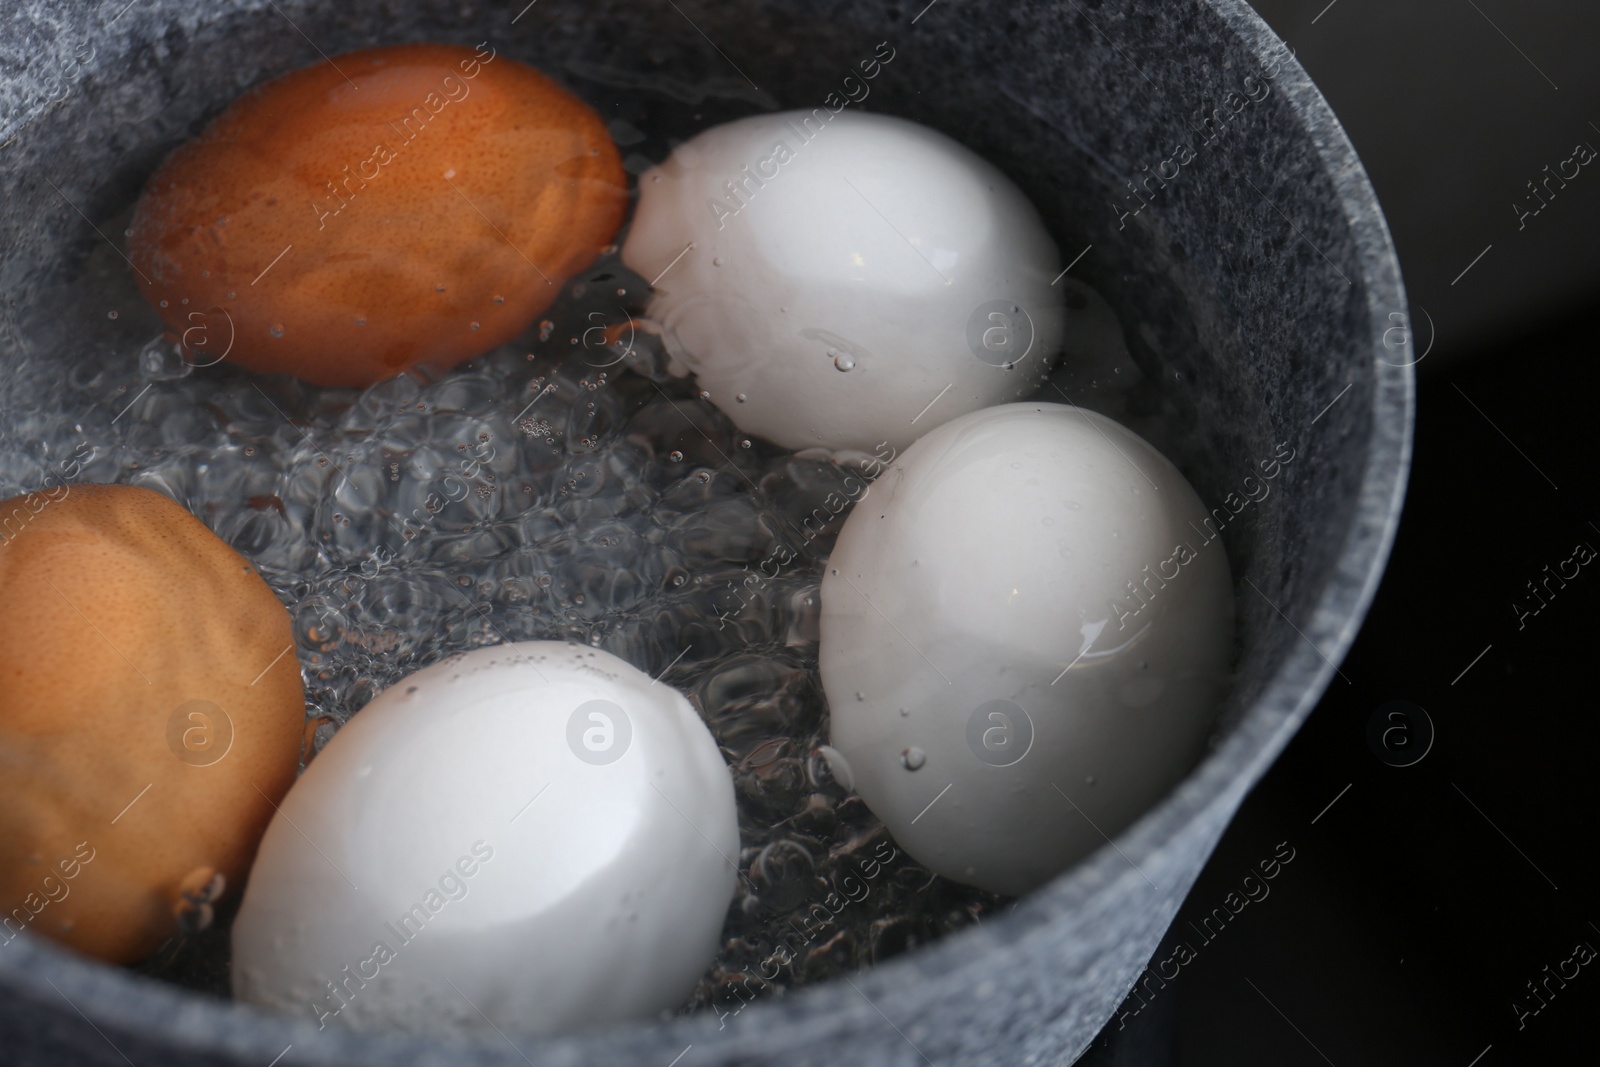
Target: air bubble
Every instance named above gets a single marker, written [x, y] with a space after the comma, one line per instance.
[913, 758]
[276, 329]
[844, 362]
[650, 534]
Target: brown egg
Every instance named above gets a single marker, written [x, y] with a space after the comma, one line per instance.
[399, 206]
[150, 717]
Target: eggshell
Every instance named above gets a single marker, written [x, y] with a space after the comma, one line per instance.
[1018, 656]
[845, 280]
[150, 716]
[534, 837]
[411, 204]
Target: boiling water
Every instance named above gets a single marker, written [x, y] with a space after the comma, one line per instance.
[606, 504]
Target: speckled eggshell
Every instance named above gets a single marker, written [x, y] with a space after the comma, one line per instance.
[151, 714]
[405, 205]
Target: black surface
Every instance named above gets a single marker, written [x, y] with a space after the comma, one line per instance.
[1455, 106]
[1421, 902]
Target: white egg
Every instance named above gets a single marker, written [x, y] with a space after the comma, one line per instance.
[844, 280]
[1026, 624]
[531, 836]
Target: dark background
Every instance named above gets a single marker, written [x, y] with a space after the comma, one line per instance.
[1422, 902]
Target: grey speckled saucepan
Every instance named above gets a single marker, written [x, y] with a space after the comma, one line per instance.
[1256, 284]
